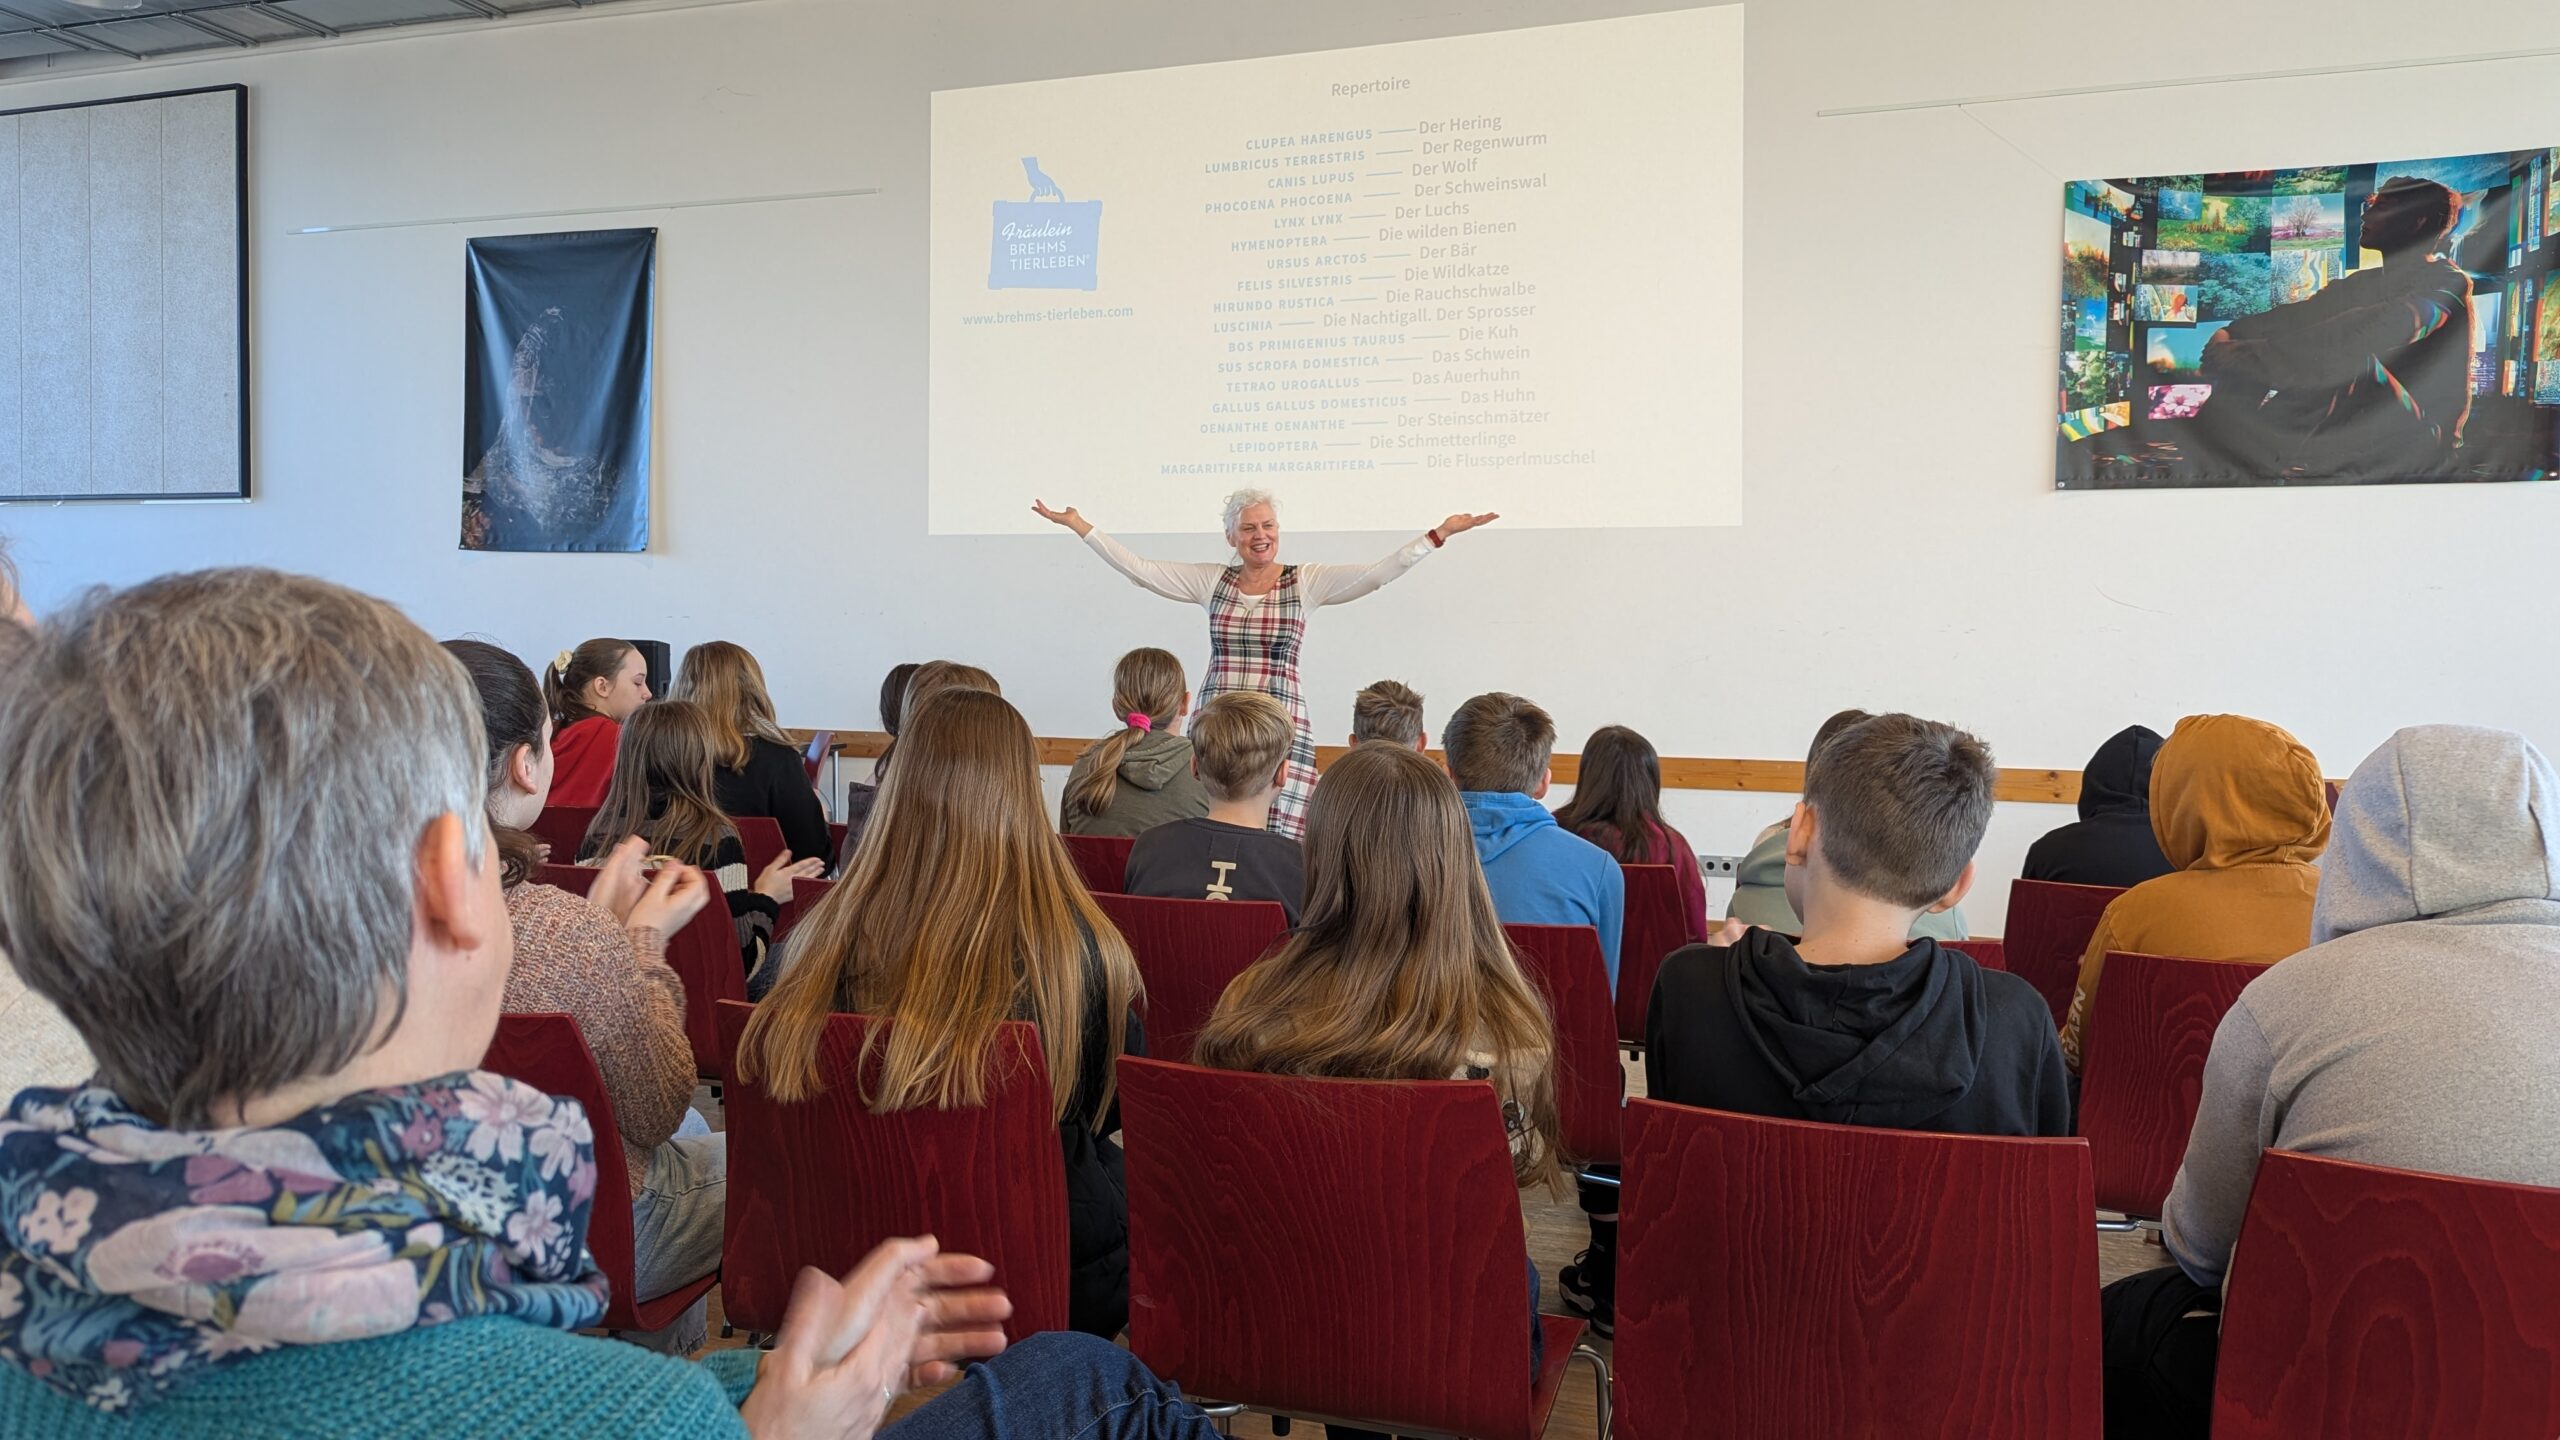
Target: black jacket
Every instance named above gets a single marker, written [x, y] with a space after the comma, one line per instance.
[1097, 1190]
[1929, 1041]
[2111, 843]
[774, 783]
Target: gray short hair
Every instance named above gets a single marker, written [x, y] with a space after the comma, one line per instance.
[1243, 500]
[212, 789]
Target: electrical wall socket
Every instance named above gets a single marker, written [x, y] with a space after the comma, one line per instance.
[1720, 867]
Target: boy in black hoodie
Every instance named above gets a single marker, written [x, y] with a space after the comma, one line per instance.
[1855, 1024]
[2111, 843]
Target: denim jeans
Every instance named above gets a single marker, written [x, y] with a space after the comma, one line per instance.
[675, 1228]
[1057, 1386]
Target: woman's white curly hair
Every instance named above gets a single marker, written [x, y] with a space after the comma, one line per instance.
[1244, 500]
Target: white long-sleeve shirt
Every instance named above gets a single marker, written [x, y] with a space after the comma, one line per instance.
[1197, 584]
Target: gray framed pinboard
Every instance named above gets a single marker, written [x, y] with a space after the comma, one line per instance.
[124, 289]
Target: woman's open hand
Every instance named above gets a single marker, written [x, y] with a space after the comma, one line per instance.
[848, 1348]
[775, 883]
[1461, 523]
[675, 895]
[1067, 517]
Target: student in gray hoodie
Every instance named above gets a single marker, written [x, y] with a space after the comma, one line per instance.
[2416, 1032]
[1139, 777]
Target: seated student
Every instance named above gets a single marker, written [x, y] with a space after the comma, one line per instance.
[662, 794]
[930, 679]
[1539, 872]
[2416, 1032]
[1389, 711]
[761, 772]
[859, 794]
[1858, 1022]
[1240, 749]
[604, 965]
[2243, 814]
[591, 690]
[369, 1235]
[1140, 776]
[1617, 805]
[1401, 971]
[961, 910]
[2111, 843]
[1760, 884]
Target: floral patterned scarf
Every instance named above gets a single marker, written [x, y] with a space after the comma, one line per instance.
[133, 1259]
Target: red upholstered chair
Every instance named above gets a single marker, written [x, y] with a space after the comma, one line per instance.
[2142, 1051]
[761, 837]
[1793, 1281]
[547, 1052]
[1103, 860]
[563, 828]
[1346, 1250]
[2390, 1305]
[1655, 926]
[1989, 954]
[704, 955]
[821, 1181]
[1564, 962]
[835, 840]
[805, 895]
[814, 758]
[2049, 925]
[1188, 951]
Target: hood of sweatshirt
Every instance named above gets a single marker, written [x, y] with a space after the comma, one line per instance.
[2228, 791]
[2117, 780]
[1891, 1044]
[2444, 822]
[1155, 761]
[1502, 819]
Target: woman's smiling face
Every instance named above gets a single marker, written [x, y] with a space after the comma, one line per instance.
[1257, 535]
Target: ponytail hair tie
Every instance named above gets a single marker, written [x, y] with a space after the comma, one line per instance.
[560, 664]
[1139, 721]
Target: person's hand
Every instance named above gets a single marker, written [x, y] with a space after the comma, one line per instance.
[1461, 523]
[1067, 517]
[675, 895]
[1728, 933]
[620, 878]
[775, 883]
[847, 1348]
[541, 852]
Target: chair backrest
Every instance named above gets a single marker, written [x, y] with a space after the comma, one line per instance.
[2143, 1046]
[813, 759]
[2049, 925]
[1564, 962]
[805, 895]
[820, 1181]
[2386, 1304]
[1989, 954]
[547, 1052]
[704, 955]
[761, 837]
[564, 829]
[1345, 1249]
[1655, 926]
[1103, 860]
[1188, 951]
[1785, 1279]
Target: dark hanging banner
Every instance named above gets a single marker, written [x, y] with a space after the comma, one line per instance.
[555, 415]
[2329, 325]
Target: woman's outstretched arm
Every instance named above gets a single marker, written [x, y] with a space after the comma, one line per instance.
[1191, 584]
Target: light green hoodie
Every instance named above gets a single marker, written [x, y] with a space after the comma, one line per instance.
[1760, 894]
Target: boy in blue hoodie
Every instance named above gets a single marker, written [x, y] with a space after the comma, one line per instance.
[1539, 872]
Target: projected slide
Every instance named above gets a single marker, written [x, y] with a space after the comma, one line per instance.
[1492, 272]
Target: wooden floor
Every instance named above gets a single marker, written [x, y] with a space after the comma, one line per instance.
[1556, 1232]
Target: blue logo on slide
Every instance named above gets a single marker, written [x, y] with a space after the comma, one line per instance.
[1047, 242]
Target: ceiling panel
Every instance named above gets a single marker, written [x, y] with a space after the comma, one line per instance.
[36, 36]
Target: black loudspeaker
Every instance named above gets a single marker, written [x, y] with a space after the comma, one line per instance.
[662, 673]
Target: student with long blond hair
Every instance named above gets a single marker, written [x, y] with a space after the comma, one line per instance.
[760, 771]
[1398, 969]
[1139, 776]
[662, 792]
[907, 687]
[961, 911]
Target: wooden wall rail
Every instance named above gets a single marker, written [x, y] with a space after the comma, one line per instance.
[1679, 772]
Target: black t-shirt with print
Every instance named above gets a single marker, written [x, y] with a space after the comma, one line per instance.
[1203, 859]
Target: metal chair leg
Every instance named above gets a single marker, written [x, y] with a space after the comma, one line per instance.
[1600, 1382]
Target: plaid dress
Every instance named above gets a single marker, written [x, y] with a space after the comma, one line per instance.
[1255, 647]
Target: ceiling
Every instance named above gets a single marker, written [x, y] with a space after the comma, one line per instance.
[40, 36]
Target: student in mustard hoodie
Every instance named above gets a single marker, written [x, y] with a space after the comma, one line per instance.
[2111, 843]
[1140, 776]
[1539, 872]
[2240, 809]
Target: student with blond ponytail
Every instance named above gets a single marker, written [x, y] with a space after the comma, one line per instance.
[591, 690]
[1140, 776]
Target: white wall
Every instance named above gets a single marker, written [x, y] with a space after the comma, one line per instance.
[1903, 544]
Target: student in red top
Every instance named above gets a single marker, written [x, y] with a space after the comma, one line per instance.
[1617, 805]
[591, 690]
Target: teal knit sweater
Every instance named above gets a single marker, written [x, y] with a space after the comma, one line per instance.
[487, 1378]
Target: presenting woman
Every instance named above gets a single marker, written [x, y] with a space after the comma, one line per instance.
[1258, 611]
